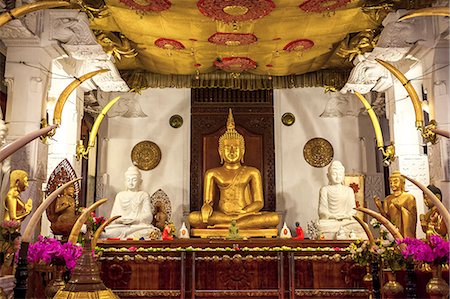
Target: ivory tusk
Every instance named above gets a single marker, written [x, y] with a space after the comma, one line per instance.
[9, 149]
[100, 229]
[441, 132]
[82, 219]
[409, 88]
[68, 90]
[366, 229]
[425, 12]
[383, 220]
[437, 203]
[27, 8]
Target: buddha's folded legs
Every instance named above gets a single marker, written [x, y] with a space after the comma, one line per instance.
[221, 220]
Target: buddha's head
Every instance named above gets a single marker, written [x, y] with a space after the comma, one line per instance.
[231, 143]
[133, 178]
[336, 173]
[19, 179]
[3, 132]
[436, 191]
[397, 181]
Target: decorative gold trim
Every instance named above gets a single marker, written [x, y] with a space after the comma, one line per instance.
[143, 80]
[332, 292]
[236, 293]
[147, 293]
[237, 258]
[325, 258]
[217, 232]
[139, 258]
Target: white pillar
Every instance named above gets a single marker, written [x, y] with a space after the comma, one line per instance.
[27, 73]
[411, 160]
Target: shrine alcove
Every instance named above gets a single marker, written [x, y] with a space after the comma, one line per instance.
[253, 116]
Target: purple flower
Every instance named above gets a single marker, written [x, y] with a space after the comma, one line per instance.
[51, 251]
[435, 251]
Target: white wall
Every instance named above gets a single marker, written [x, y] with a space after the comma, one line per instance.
[172, 173]
[298, 183]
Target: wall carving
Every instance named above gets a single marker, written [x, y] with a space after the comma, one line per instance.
[374, 186]
[394, 43]
[16, 29]
[71, 29]
[116, 275]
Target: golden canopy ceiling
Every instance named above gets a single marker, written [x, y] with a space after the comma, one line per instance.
[261, 37]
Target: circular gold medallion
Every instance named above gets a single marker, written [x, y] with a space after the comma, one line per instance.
[146, 155]
[318, 152]
[176, 121]
[288, 119]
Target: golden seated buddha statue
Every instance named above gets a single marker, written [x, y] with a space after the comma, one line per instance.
[241, 194]
[15, 208]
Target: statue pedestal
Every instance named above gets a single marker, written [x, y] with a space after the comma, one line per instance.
[223, 232]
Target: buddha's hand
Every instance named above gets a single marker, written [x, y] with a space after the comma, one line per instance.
[29, 205]
[206, 211]
[127, 220]
[378, 203]
[343, 217]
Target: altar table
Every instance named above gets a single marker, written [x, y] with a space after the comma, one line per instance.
[209, 268]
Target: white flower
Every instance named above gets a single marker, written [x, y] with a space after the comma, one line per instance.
[381, 250]
[83, 229]
[385, 242]
[374, 222]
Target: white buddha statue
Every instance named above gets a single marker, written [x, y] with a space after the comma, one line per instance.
[336, 205]
[134, 207]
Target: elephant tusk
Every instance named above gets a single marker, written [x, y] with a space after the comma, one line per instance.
[383, 220]
[82, 219]
[31, 7]
[101, 228]
[11, 148]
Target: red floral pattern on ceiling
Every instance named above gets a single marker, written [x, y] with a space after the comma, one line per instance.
[232, 39]
[299, 45]
[229, 11]
[151, 5]
[169, 44]
[235, 64]
[323, 5]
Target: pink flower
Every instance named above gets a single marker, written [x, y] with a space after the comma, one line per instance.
[435, 251]
[132, 248]
[51, 251]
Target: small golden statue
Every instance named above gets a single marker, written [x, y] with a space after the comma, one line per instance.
[432, 222]
[63, 213]
[15, 208]
[399, 207]
[241, 194]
